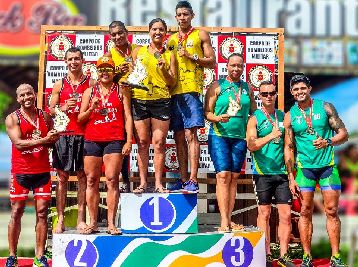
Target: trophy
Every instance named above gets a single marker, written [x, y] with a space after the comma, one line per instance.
[61, 120]
[136, 77]
[233, 108]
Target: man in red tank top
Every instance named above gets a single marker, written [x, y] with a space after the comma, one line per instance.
[68, 152]
[30, 131]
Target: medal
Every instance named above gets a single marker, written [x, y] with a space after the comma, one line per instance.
[128, 59]
[103, 111]
[234, 105]
[182, 38]
[36, 134]
[157, 55]
[274, 124]
[75, 95]
[310, 131]
[308, 119]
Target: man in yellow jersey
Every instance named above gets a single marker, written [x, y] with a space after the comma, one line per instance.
[194, 53]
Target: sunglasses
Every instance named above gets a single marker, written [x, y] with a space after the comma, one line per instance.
[266, 94]
[103, 70]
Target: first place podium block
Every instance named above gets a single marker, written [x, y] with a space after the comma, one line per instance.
[157, 213]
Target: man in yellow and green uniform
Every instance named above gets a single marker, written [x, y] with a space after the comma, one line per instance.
[312, 128]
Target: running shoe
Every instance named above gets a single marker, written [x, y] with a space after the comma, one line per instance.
[285, 261]
[336, 261]
[306, 261]
[42, 262]
[125, 188]
[11, 261]
[191, 186]
[175, 186]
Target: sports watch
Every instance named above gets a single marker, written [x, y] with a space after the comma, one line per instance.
[329, 141]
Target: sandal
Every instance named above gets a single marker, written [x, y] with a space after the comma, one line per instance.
[140, 190]
[223, 230]
[113, 231]
[236, 227]
[89, 230]
[161, 190]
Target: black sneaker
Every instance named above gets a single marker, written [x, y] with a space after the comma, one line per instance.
[336, 261]
[306, 261]
[285, 261]
[269, 260]
[11, 261]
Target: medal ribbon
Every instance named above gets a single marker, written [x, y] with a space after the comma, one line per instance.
[182, 38]
[238, 94]
[104, 98]
[37, 125]
[127, 53]
[309, 118]
[160, 50]
[74, 87]
[274, 124]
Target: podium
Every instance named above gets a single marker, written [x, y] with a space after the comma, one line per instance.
[159, 213]
[160, 230]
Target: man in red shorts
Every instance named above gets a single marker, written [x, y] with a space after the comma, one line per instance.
[30, 131]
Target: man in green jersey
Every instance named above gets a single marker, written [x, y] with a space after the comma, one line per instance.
[265, 138]
[310, 126]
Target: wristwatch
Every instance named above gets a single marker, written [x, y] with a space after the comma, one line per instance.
[195, 57]
[329, 141]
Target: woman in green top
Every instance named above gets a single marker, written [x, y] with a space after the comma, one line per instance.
[227, 106]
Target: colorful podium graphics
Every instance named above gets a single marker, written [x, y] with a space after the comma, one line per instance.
[242, 249]
[159, 213]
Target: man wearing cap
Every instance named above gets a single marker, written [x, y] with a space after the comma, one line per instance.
[106, 113]
[312, 128]
[68, 152]
[194, 52]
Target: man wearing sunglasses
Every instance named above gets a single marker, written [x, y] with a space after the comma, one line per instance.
[310, 125]
[265, 139]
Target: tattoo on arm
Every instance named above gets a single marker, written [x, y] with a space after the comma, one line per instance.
[334, 120]
[290, 166]
[291, 144]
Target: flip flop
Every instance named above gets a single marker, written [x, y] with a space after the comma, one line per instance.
[236, 227]
[223, 230]
[140, 190]
[89, 230]
[113, 231]
[161, 190]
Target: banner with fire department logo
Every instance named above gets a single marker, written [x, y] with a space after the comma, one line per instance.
[260, 50]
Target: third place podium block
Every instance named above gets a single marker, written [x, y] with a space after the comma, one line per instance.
[150, 213]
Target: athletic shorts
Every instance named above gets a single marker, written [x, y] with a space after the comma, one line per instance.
[187, 112]
[99, 149]
[157, 109]
[227, 154]
[268, 186]
[39, 184]
[327, 178]
[68, 153]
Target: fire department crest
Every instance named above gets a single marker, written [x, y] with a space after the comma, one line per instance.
[171, 159]
[59, 46]
[229, 46]
[90, 69]
[209, 76]
[204, 132]
[258, 74]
